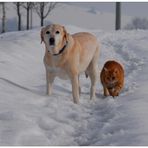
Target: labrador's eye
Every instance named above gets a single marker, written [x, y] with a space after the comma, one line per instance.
[57, 32]
[47, 32]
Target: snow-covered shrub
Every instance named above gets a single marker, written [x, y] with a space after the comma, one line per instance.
[137, 23]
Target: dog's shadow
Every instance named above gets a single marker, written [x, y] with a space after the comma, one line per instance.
[66, 90]
[62, 89]
[98, 95]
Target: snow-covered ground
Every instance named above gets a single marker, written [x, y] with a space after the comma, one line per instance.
[29, 117]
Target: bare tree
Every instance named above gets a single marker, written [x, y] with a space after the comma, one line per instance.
[118, 15]
[43, 9]
[18, 5]
[3, 17]
[28, 6]
[31, 16]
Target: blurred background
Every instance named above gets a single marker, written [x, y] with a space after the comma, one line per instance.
[91, 15]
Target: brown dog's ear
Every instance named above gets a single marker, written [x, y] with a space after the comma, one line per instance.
[41, 34]
[65, 33]
[116, 71]
[105, 69]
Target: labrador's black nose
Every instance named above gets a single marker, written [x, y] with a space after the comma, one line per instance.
[51, 41]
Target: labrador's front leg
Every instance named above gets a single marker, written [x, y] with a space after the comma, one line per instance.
[49, 82]
[75, 88]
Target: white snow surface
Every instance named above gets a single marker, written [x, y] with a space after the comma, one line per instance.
[29, 117]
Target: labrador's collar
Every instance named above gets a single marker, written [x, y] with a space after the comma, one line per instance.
[61, 51]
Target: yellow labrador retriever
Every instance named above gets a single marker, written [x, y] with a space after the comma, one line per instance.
[66, 56]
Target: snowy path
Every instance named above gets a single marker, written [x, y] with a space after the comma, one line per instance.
[29, 117]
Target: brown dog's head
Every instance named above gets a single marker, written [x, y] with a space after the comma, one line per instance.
[55, 37]
[111, 75]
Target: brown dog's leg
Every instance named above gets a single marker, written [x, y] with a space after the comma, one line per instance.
[106, 92]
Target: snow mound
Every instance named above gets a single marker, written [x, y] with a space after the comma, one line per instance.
[29, 117]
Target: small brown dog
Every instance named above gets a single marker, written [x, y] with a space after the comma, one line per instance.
[112, 78]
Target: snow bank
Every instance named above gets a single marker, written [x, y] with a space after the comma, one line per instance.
[29, 117]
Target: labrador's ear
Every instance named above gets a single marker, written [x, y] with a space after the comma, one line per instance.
[65, 33]
[41, 34]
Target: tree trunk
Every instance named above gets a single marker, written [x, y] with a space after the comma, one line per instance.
[27, 19]
[42, 13]
[42, 21]
[19, 16]
[31, 19]
[118, 16]
[3, 18]
[28, 9]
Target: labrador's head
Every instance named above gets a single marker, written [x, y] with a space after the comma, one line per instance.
[55, 37]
